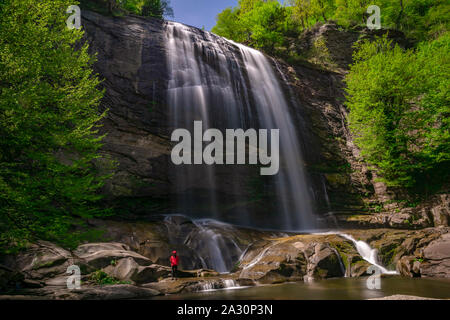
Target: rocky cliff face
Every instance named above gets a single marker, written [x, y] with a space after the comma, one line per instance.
[131, 60]
[131, 55]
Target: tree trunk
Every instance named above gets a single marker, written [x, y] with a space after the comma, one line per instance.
[399, 17]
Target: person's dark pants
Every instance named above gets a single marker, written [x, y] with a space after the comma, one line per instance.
[174, 271]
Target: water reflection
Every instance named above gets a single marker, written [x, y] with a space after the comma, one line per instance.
[333, 289]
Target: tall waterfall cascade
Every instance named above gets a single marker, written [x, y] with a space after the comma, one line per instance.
[229, 86]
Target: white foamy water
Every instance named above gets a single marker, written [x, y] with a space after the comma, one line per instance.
[365, 251]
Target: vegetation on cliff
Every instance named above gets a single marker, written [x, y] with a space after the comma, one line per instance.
[399, 111]
[148, 8]
[48, 124]
[271, 26]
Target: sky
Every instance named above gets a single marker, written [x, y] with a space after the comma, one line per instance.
[199, 13]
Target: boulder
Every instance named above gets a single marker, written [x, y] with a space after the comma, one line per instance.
[110, 292]
[437, 258]
[407, 266]
[273, 262]
[123, 270]
[359, 268]
[156, 272]
[441, 211]
[100, 255]
[325, 263]
[43, 260]
[293, 259]
[169, 286]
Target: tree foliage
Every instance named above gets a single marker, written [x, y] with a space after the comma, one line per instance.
[399, 105]
[261, 24]
[48, 124]
[148, 8]
[264, 21]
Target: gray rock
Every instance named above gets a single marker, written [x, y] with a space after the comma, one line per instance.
[437, 258]
[100, 255]
[111, 292]
[123, 270]
[156, 272]
[43, 260]
[325, 263]
[408, 266]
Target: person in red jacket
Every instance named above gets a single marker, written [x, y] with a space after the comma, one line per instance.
[174, 261]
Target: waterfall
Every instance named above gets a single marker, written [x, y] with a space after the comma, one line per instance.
[219, 284]
[367, 253]
[213, 242]
[218, 244]
[228, 86]
[364, 250]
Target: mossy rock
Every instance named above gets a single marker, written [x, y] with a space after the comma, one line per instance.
[337, 180]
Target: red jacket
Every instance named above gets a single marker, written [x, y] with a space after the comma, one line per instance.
[174, 260]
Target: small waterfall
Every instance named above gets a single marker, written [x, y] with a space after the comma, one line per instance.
[207, 286]
[341, 264]
[212, 241]
[367, 253]
[219, 284]
[220, 249]
[364, 250]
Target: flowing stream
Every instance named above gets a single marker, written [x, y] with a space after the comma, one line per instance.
[367, 253]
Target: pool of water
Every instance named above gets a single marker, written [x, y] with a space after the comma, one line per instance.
[332, 289]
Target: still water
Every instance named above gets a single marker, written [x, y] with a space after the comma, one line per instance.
[333, 289]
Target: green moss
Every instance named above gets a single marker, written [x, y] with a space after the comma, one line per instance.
[320, 55]
[100, 277]
[342, 248]
[388, 253]
[46, 265]
[236, 267]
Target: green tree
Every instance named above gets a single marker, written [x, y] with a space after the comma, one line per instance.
[399, 110]
[228, 25]
[265, 23]
[247, 5]
[351, 12]
[302, 11]
[261, 24]
[48, 124]
[148, 8]
[322, 9]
